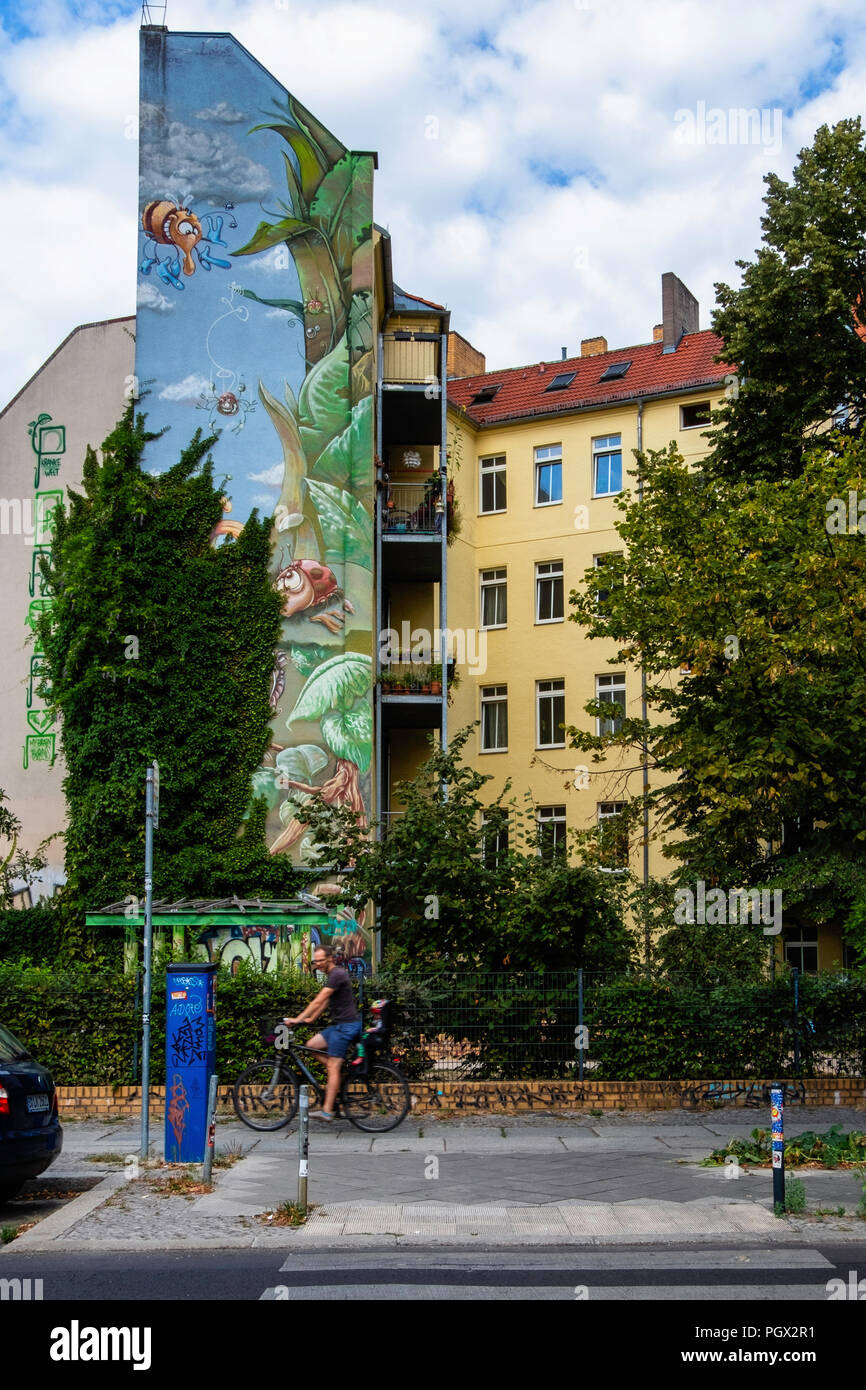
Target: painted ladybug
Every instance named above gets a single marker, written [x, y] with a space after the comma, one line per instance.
[307, 584]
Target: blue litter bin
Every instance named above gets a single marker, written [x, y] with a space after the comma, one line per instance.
[190, 1046]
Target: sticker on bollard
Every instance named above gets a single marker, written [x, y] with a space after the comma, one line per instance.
[778, 1143]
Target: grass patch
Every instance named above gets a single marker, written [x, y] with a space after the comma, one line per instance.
[833, 1149]
[287, 1214]
[229, 1155]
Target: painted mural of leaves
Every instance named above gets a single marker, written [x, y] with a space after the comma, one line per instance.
[284, 421]
[332, 208]
[311, 166]
[347, 527]
[350, 735]
[333, 686]
[347, 461]
[328, 144]
[301, 763]
[269, 234]
[323, 401]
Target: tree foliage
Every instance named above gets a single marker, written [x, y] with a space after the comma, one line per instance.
[159, 645]
[448, 898]
[742, 590]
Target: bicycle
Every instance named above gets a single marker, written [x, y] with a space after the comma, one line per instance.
[374, 1095]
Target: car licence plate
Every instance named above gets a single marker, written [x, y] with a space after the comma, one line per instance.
[37, 1103]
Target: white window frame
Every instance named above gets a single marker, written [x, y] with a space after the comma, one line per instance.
[800, 946]
[603, 447]
[496, 847]
[544, 690]
[695, 405]
[493, 695]
[546, 455]
[555, 816]
[495, 465]
[488, 581]
[610, 815]
[552, 573]
[615, 685]
[598, 563]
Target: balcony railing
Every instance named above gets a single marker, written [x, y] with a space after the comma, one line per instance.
[414, 508]
[412, 678]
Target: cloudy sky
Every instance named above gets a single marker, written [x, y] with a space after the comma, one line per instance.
[541, 162]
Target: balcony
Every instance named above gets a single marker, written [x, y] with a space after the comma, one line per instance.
[413, 508]
[411, 694]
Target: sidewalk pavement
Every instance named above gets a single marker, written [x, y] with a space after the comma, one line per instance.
[567, 1179]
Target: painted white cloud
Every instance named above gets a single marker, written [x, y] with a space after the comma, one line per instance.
[272, 476]
[223, 112]
[189, 389]
[149, 297]
[262, 499]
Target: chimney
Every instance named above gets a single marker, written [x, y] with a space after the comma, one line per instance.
[680, 311]
[591, 347]
[658, 332]
[564, 353]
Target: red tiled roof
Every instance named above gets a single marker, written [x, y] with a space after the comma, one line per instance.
[523, 389]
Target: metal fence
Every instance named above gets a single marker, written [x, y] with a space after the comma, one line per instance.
[580, 1025]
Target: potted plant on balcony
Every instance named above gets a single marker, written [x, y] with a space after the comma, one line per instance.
[435, 672]
[425, 680]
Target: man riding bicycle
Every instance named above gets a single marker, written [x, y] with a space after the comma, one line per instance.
[345, 1029]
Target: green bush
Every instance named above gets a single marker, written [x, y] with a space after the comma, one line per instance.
[31, 933]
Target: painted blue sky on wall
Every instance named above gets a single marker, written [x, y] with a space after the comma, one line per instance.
[201, 341]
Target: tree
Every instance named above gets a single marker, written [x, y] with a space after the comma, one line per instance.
[450, 892]
[796, 326]
[159, 645]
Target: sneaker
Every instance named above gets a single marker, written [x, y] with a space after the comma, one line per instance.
[322, 1115]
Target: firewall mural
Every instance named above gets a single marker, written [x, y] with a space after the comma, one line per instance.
[256, 311]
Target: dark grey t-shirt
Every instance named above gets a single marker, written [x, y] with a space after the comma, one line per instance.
[342, 1003]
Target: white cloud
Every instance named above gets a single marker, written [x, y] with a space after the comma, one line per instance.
[189, 389]
[272, 476]
[555, 130]
[149, 297]
[223, 112]
[262, 499]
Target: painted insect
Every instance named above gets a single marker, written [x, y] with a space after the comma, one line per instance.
[309, 587]
[228, 403]
[173, 226]
[278, 678]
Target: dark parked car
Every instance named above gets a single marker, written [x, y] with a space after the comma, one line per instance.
[30, 1133]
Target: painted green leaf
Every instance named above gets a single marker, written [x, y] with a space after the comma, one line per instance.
[301, 764]
[324, 400]
[291, 306]
[348, 460]
[294, 461]
[333, 196]
[329, 145]
[350, 735]
[349, 674]
[347, 527]
[269, 234]
[264, 784]
[310, 165]
[306, 656]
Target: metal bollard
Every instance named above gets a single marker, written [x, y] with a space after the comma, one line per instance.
[777, 1125]
[211, 1128]
[303, 1145]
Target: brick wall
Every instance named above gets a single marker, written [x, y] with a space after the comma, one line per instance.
[508, 1097]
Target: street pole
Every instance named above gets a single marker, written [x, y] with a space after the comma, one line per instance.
[303, 1146]
[777, 1124]
[211, 1128]
[148, 960]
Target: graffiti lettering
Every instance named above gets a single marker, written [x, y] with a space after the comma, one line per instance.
[187, 1042]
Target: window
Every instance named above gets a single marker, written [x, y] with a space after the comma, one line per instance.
[494, 719]
[610, 690]
[485, 394]
[494, 843]
[493, 484]
[801, 950]
[549, 592]
[692, 416]
[607, 465]
[615, 371]
[560, 381]
[550, 713]
[551, 831]
[602, 595]
[548, 475]
[494, 598]
[613, 837]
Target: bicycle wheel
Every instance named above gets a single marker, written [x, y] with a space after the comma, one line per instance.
[265, 1096]
[378, 1101]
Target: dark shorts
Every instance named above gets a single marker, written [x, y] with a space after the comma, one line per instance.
[339, 1036]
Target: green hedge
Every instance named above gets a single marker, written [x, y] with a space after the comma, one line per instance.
[83, 1025]
[30, 933]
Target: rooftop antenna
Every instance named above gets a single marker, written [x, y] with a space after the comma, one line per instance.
[148, 11]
